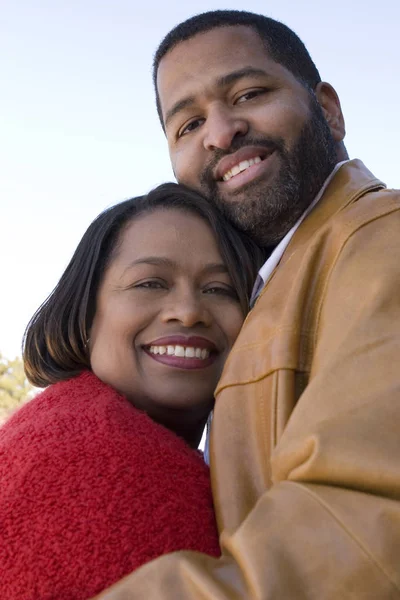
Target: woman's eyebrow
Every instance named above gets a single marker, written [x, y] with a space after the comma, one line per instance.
[160, 261]
[150, 260]
[215, 268]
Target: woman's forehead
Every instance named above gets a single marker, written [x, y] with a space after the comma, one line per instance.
[170, 233]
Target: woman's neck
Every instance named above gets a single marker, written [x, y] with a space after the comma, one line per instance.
[184, 424]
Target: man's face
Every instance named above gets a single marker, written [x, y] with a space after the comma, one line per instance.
[243, 130]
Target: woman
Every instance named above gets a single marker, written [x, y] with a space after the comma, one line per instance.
[99, 473]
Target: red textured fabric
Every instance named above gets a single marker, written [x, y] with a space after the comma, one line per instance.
[90, 489]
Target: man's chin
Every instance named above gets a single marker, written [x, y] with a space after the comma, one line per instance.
[246, 196]
[242, 212]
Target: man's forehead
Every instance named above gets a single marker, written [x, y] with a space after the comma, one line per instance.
[207, 56]
[232, 41]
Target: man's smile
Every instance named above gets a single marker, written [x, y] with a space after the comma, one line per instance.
[243, 167]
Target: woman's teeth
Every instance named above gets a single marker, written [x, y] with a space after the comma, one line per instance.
[181, 351]
[242, 166]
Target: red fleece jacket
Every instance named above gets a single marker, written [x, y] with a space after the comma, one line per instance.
[90, 489]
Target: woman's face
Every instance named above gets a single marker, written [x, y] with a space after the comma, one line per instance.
[166, 316]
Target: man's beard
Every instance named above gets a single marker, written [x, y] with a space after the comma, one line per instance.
[269, 210]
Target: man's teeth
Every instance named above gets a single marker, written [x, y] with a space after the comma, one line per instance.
[181, 351]
[242, 166]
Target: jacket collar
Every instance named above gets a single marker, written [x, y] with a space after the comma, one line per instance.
[352, 181]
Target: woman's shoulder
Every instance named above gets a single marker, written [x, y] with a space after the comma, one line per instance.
[70, 404]
[82, 434]
[81, 417]
[91, 488]
[82, 401]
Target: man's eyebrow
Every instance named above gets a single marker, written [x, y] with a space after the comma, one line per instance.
[176, 108]
[222, 81]
[234, 76]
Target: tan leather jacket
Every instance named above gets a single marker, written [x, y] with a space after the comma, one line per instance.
[305, 448]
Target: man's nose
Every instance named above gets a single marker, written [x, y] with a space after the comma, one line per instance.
[222, 126]
[188, 309]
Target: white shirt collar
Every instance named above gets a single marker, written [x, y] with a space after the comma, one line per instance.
[269, 266]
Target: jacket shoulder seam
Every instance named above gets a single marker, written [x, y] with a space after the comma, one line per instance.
[350, 234]
[306, 490]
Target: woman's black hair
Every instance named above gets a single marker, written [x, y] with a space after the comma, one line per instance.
[55, 341]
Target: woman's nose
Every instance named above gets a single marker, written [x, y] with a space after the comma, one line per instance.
[188, 309]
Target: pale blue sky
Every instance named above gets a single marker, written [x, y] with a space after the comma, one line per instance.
[78, 126]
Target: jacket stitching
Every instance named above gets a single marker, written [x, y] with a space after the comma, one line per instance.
[306, 490]
[324, 291]
[258, 379]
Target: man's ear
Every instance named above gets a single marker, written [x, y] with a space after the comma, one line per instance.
[330, 104]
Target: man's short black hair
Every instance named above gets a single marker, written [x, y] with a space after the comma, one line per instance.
[282, 44]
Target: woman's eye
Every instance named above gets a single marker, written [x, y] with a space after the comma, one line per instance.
[150, 285]
[190, 127]
[222, 291]
[250, 95]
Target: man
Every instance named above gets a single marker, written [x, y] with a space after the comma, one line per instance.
[305, 449]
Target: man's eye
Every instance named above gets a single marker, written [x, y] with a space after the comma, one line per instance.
[190, 127]
[250, 95]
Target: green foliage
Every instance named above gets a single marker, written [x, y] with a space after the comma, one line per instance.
[15, 389]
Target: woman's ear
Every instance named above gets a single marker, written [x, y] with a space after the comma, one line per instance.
[330, 104]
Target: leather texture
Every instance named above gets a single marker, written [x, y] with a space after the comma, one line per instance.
[305, 442]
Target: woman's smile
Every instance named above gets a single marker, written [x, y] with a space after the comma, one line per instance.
[183, 352]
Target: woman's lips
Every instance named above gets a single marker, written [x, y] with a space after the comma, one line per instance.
[182, 363]
[183, 352]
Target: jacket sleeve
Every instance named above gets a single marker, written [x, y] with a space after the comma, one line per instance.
[329, 527]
